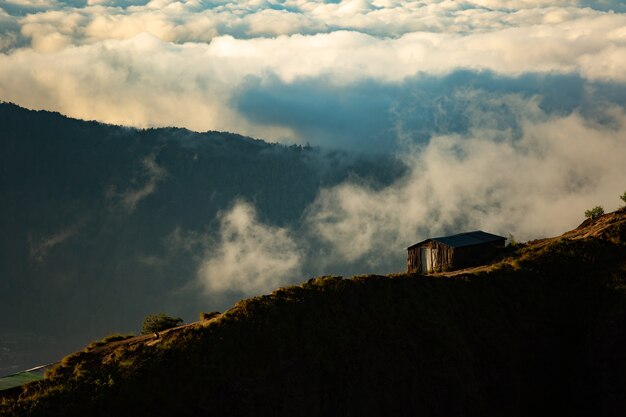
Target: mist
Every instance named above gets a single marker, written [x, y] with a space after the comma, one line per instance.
[532, 179]
[250, 257]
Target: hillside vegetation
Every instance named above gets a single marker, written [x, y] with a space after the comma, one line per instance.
[541, 333]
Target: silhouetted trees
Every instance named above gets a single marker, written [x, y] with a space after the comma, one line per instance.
[159, 322]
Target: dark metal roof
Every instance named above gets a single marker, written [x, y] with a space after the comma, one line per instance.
[465, 239]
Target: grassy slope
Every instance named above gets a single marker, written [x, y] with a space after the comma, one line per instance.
[542, 333]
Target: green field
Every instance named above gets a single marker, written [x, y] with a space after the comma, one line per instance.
[21, 378]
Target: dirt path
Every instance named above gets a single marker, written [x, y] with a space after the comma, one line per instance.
[147, 339]
[465, 271]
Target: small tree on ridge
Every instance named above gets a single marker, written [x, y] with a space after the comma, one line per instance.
[594, 213]
[157, 322]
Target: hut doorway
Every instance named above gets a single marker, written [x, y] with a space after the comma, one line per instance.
[426, 259]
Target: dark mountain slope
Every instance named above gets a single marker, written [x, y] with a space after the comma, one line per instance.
[101, 225]
[541, 333]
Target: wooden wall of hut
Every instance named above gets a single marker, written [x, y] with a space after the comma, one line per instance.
[476, 254]
[444, 257]
[413, 263]
[441, 257]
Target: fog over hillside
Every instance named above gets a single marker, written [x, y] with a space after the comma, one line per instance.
[423, 118]
[103, 225]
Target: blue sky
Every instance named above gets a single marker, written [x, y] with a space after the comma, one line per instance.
[509, 115]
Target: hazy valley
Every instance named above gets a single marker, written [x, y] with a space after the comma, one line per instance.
[102, 225]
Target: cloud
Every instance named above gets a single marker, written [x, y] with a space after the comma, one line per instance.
[144, 82]
[39, 249]
[534, 179]
[138, 82]
[207, 65]
[367, 115]
[153, 174]
[9, 31]
[534, 185]
[250, 257]
[194, 21]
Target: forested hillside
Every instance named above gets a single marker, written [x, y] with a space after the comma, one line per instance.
[103, 224]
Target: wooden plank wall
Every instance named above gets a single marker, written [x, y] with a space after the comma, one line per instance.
[442, 257]
[447, 258]
[413, 260]
[475, 255]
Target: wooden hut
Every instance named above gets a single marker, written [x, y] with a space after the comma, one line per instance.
[452, 252]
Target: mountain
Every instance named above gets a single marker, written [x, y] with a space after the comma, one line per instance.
[102, 225]
[540, 332]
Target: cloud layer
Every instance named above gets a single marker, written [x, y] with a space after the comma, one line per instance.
[508, 114]
[188, 63]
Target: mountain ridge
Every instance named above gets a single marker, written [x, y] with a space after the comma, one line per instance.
[105, 224]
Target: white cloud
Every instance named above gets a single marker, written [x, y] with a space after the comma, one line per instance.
[193, 21]
[520, 4]
[251, 257]
[535, 186]
[145, 81]
[180, 63]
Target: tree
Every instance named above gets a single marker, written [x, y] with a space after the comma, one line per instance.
[157, 322]
[623, 197]
[595, 212]
[512, 241]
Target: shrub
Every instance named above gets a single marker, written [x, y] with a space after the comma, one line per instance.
[209, 316]
[116, 337]
[623, 197]
[594, 213]
[108, 339]
[158, 322]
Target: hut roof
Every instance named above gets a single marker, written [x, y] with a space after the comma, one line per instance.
[460, 240]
